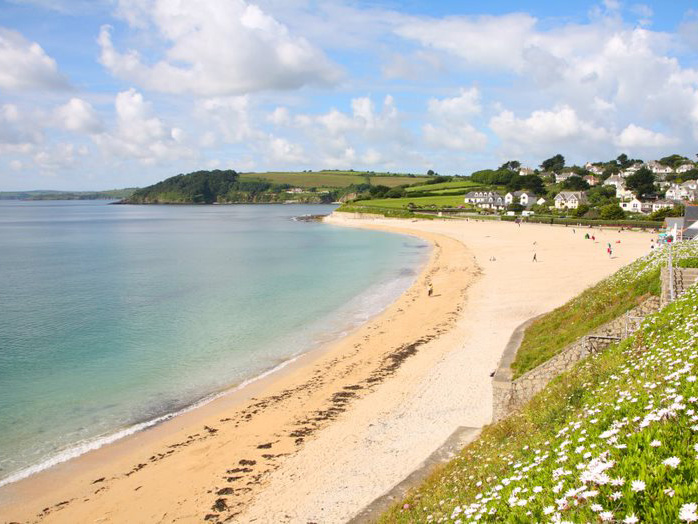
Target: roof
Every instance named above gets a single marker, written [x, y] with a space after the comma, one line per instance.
[691, 214]
[579, 195]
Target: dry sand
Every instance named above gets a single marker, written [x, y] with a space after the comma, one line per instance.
[342, 425]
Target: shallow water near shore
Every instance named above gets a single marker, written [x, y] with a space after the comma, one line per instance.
[113, 316]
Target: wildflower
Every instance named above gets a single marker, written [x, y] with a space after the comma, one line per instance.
[606, 516]
[638, 485]
[596, 508]
[669, 492]
[687, 513]
[616, 495]
[655, 443]
[672, 462]
[631, 519]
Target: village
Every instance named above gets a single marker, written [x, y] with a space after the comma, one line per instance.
[614, 190]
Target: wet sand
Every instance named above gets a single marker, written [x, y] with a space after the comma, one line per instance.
[340, 426]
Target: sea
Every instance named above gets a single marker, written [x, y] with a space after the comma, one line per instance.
[116, 317]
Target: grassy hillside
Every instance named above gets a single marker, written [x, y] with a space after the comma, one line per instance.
[613, 440]
[426, 201]
[597, 305]
[331, 179]
[463, 185]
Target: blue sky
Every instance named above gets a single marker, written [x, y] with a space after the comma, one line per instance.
[115, 93]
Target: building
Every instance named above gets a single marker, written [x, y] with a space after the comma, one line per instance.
[524, 198]
[687, 225]
[684, 168]
[686, 191]
[662, 204]
[561, 177]
[570, 199]
[637, 206]
[619, 183]
[659, 169]
[526, 171]
[591, 180]
[485, 199]
[596, 170]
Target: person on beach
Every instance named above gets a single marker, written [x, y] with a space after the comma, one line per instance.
[430, 290]
[535, 257]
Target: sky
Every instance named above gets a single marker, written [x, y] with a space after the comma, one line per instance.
[102, 94]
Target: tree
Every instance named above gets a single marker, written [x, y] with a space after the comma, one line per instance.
[575, 183]
[641, 182]
[555, 163]
[612, 212]
[581, 210]
[533, 183]
[511, 165]
[661, 214]
[430, 172]
[673, 160]
[622, 160]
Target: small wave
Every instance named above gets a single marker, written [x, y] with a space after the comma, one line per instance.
[93, 444]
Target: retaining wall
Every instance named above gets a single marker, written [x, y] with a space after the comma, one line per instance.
[683, 279]
[509, 395]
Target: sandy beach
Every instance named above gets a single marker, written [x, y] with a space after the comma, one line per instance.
[321, 439]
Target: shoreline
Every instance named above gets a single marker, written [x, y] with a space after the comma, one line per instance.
[384, 397]
[315, 347]
[16, 498]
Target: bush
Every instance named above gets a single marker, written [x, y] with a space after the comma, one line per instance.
[611, 212]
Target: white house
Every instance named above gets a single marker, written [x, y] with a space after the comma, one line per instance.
[591, 180]
[619, 183]
[659, 169]
[526, 171]
[686, 191]
[485, 199]
[524, 198]
[661, 204]
[561, 177]
[570, 199]
[637, 206]
[684, 168]
[596, 170]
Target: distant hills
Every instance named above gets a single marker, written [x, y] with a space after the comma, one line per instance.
[112, 194]
[230, 187]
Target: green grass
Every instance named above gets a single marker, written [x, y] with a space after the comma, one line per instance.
[578, 451]
[330, 179]
[386, 212]
[599, 304]
[401, 203]
[456, 184]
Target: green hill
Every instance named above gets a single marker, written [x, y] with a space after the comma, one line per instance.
[615, 439]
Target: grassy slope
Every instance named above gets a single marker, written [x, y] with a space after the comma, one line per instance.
[577, 452]
[401, 203]
[330, 179]
[455, 184]
[597, 305]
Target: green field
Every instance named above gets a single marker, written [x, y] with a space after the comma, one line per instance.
[455, 184]
[401, 203]
[332, 179]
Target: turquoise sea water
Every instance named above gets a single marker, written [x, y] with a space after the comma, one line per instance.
[113, 316]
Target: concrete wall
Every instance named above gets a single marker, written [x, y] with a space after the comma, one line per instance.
[508, 395]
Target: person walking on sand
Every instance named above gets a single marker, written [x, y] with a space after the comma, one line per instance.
[430, 290]
[535, 257]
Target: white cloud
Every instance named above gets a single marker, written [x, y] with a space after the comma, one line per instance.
[58, 157]
[457, 108]
[279, 117]
[229, 116]
[451, 129]
[634, 137]
[79, 116]
[463, 137]
[19, 130]
[216, 47]
[25, 65]
[139, 134]
[285, 152]
[543, 130]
